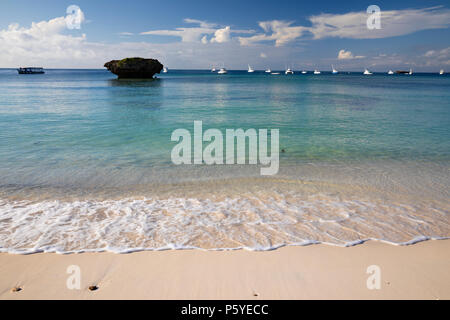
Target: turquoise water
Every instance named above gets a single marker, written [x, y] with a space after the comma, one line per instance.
[86, 130]
[83, 121]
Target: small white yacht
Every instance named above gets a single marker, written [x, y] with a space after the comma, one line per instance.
[316, 71]
[367, 72]
[222, 71]
[334, 71]
[165, 70]
[289, 71]
[441, 72]
[250, 69]
[304, 72]
[390, 72]
[275, 73]
[268, 70]
[213, 69]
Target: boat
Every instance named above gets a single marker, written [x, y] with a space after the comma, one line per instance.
[367, 72]
[401, 72]
[316, 71]
[275, 73]
[304, 72]
[289, 71]
[410, 72]
[250, 69]
[31, 70]
[441, 72]
[269, 71]
[213, 69]
[222, 71]
[390, 72]
[165, 70]
[334, 71]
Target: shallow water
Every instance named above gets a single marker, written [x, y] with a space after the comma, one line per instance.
[86, 161]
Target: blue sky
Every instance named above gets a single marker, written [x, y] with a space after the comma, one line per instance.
[199, 34]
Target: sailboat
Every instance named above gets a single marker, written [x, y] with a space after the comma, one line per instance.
[165, 70]
[410, 72]
[390, 72]
[367, 72]
[250, 70]
[268, 70]
[289, 71]
[222, 71]
[316, 71]
[334, 70]
[441, 72]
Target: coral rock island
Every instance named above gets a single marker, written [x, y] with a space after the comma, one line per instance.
[134, 68]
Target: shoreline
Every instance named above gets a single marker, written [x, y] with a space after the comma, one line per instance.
[418, 271]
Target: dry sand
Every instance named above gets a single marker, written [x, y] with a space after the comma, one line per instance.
[419, 271]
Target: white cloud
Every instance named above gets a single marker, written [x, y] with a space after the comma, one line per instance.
[347, 55]
[353, 25]
[282, 32]
[393, 23]
[222, 35]
[186, 34]
[202, 23]
[125, 34]
[51, 45]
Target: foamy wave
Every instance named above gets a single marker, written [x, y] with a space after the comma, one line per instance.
[246, 222]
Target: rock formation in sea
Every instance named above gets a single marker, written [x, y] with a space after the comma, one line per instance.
[134, 68]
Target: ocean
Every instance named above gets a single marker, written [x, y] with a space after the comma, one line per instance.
[86, 161]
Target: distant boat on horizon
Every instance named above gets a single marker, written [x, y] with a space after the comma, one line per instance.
[165, 70]
[441, 72]
[304, 72]
[31, 70]
[275, 73]
[268, 70]
[334, 71]
[390, 72]
[213, 69]
[289, 71]
[316, 71]
[222, 71]
[250, 69]
[367, 72]
[410, 72]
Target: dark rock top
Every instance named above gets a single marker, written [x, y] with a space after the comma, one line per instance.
[137, 68]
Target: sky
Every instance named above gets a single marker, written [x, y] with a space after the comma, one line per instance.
[199, 34]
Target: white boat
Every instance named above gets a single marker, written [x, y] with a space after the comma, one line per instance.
[269, 71]
[213, 69]
[390, 72]
[367, 72]
[316, 71]
[275, 73]
[165, 70]
[441, 71]
[289, 71]
[410, 72]
[334, 71]
[250, 69]
[222, 71]
[304, 72]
